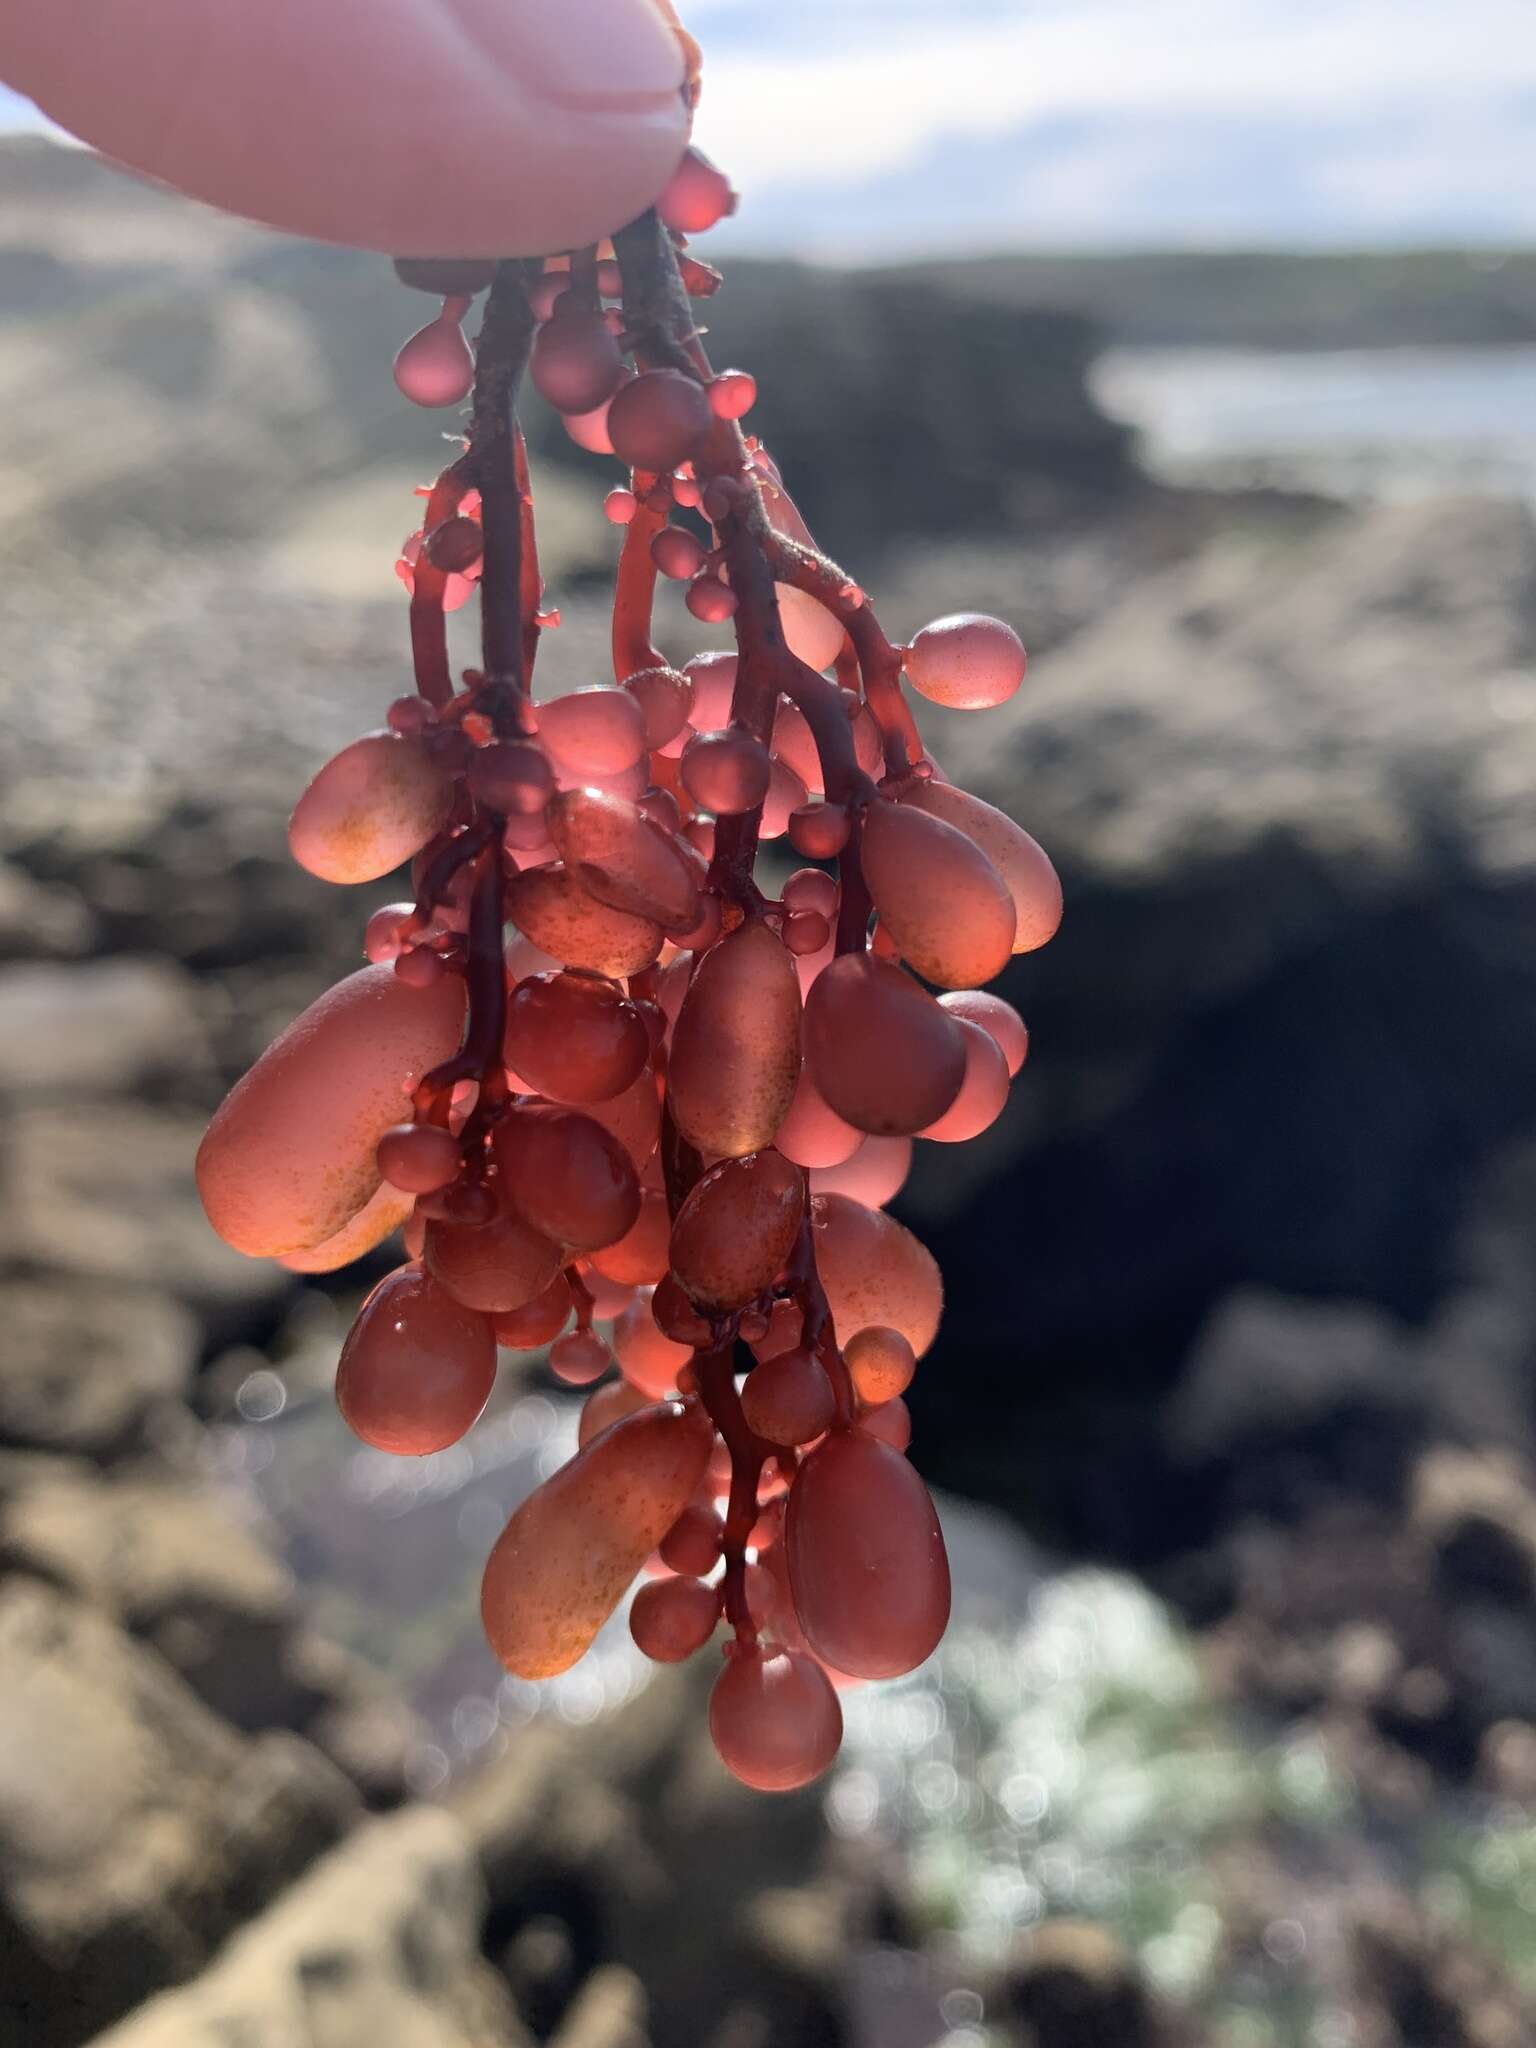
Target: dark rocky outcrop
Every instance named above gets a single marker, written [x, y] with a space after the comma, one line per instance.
[1284, 1037]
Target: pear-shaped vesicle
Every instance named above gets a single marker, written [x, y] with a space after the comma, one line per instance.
[736, 1046]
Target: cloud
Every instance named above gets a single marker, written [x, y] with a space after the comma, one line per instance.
[1159, 111]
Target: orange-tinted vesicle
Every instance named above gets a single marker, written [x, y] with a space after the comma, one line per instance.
[563, 1562]
[289, 1156]
[875, 1271]
[939, 897]
[550, 905]
[385, 1210]
[371, 806]
[622, 859]
[1022, 862]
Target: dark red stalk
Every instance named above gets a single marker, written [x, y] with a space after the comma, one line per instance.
[635, 585]
[500, 355]
[485, 976]
[657, 311]
[879, 662]
[714, 1370]
[817, 1334]
[429, 632]
[532, 583]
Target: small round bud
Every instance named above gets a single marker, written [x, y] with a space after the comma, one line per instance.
[726, 772]
[732, 394]
[710, 600]
[435, 367]
[418, 1158]
[384, 936]
[419, 967]
[575, 362]
[819, 831]
[696, 195]
[677, 553]
[580, 1358]
[806, 931]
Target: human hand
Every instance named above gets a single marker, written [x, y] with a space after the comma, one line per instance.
[415, 127]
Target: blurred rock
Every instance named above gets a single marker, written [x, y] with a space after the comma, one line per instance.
[839, 355]
[1282, 1403]
[1477, 1512]
[356, 1719]
[99, 1027]
[169, 1562]
[169, 872]
[136, 1829]
[153, 1552]
[607, 2012]
[104, 1191]
[41, 920]
[1419, 1983]
[1073, 1985]
[623, 1843]
[89, 1367]
[377, 1947]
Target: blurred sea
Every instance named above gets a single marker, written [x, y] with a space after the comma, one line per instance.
[1352, 423]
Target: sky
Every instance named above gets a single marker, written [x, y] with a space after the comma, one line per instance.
[887, 127]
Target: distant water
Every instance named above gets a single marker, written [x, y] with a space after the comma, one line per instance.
[1353, 423]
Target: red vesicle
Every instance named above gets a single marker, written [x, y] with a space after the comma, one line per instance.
[879, 1048]
[693, 1543]
[418, 1158]
[575, 1037]
[648, 1358]
[575, 361]
[867, 1565]
[539, 1322]
[580, 1358]
[774, 1719]
[736, 1230]
[435, 367]
[567, 1176]
[788, 1398]
[417, 1366]
[967, 660]
[673, 1617]
[658, 419]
